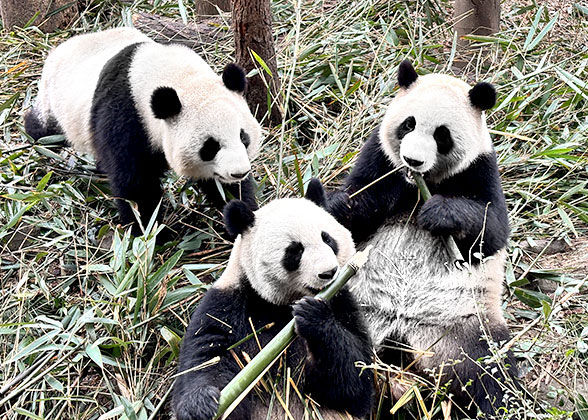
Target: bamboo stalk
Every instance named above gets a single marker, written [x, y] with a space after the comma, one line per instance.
[452, 247]
[238, 387]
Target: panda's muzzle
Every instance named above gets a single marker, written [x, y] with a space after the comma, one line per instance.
[240, 176]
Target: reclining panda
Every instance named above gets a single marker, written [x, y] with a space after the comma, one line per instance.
[141, 107]
[285, 252]
[413, 297]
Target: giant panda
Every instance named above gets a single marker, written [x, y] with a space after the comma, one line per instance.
[285, 252]
[141, 107]
[414, 297]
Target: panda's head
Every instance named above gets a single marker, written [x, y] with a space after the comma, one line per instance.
[436, 123]
[290, 247]
[207, 128]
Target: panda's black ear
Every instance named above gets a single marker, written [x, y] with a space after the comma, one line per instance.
[406, 74]
[234, 78]
[316, 193]
[165, 103]
[483, 96]
[238, 217]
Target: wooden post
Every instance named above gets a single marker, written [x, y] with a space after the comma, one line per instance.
[480, 17]
[19, 12]
[252, 27]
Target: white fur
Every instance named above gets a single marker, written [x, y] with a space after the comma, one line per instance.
[435, 100]
[71, 73]
[259, 251]
[409, 275]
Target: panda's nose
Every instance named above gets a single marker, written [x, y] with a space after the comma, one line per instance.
[240, 175]
[413, 162]
[328, 275]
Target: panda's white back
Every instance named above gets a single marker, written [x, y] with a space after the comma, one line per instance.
[70, 76]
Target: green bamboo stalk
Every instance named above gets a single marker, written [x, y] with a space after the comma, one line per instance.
[452, 247]
[245, 380]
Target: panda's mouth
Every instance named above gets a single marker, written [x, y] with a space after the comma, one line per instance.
[226, 180]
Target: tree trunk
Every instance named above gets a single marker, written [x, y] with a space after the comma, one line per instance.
[252, 27]
[19, 12]
[208, 7]
[479, 17]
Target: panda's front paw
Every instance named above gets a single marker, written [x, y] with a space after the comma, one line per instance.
[440, 217]
[339, 205]
[311, 317]
[199, 404]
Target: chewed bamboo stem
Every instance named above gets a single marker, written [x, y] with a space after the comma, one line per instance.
[245, 380]
[452, 247]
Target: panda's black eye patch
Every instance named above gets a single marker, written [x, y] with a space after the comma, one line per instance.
[405, 127]
[245, 138]
[292, 256]
[328, 239]
[442, 136]
[209, 149]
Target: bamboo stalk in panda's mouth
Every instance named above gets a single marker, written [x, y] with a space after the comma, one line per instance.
[238, 388]
[450, 243]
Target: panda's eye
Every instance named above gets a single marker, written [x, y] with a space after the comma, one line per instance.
[442, 136]
[245, 138]
[292, 256]
[209, 149]
[328, 239]
[405, 127]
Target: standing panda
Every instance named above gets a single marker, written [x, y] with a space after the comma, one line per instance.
[285, 252]
[141, 107]
[412, 295]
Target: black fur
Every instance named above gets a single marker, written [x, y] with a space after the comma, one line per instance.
[406, 74]
[442, 137]
[35, 127]
[332, 334]
[123, 149]
[234, 78]
[293, 256]
[329, 240]
[122, 146]
[465, 204]
[483, 96]
[316, 193]
[245, 139]
[244, 190]
[165, 103]
[209, 149]
[238, 217]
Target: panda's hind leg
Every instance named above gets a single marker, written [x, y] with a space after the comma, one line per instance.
[37, 128]
[478, 381]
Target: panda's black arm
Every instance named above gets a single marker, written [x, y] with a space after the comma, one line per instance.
[214, 327]
[470, 206]
[365, 212]
[337, 339]
[244, 190]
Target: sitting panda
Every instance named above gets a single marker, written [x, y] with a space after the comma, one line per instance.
[141, 107]
[413, 296]
[285, 252]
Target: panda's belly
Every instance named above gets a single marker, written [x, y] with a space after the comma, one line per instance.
[409, 280]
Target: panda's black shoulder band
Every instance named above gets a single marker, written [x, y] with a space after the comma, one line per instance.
[238, 217]
[406, 74]
[483, 96]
